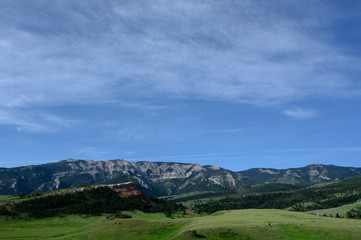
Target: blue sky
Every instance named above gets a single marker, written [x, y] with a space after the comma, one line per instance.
[238, 84]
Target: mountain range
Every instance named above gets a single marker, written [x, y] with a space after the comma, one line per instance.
[159, 178]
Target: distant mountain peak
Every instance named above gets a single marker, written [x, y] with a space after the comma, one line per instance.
[158, 178]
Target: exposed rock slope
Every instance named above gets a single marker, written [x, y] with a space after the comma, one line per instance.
[157, 178]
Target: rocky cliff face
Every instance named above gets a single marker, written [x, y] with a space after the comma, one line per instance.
[127, 190]
[157, 178]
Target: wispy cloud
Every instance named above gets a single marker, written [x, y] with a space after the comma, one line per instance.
[20, 122]
[107, 52]
[141, 106]
[300, 113]
[30, 121]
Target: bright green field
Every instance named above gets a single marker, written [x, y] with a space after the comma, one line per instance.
[236, 224]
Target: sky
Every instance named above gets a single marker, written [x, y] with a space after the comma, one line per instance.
[238, 84]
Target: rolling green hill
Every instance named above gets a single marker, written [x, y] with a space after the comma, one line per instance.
[236, 224]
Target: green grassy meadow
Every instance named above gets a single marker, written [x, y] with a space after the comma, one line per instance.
[340, 210]
[236, 224]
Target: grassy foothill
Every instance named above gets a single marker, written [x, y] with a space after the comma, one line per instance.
[341, 211]
[236, 224]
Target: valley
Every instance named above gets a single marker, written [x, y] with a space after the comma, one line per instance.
[180, 120]
[316, 204]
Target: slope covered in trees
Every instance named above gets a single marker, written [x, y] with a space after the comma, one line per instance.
[89, 201]
[311, 198]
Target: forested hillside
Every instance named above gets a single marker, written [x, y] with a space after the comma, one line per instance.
[95, 201]
[315, 197]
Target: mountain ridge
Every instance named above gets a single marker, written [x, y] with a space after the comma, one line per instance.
[159, 178]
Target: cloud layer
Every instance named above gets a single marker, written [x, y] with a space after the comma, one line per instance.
[88, 52]
[240, 51]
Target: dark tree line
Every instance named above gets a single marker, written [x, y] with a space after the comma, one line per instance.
[94, 201]
[329, 196]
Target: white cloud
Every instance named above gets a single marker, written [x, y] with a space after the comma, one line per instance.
[244, 52]
[31, 121]
[300, 113]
